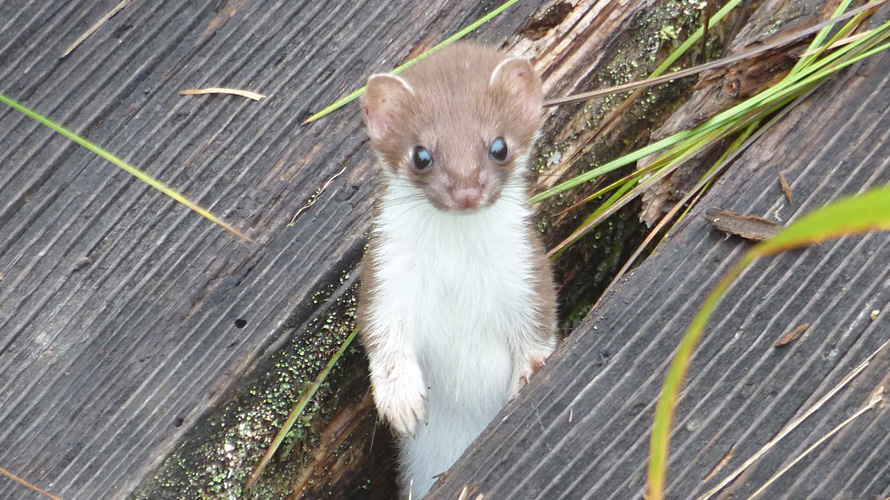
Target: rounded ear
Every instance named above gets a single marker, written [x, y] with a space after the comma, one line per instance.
[517, 77]
[384, 96]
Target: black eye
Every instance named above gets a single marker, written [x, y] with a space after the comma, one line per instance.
[421, 158]
[498, 150]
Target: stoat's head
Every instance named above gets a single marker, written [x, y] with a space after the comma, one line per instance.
[457, 125]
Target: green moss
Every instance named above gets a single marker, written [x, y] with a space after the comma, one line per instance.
[220, 452]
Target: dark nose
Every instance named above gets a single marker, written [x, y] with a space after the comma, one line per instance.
[466, 198]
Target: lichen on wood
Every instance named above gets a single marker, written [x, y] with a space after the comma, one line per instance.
[325, 452]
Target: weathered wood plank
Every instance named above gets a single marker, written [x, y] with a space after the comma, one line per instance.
[125, 320]
[582, 428]
[123, 317]
[188, 297]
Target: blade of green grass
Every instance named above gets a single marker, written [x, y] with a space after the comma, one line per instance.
[849, 216]
[869, 211]
[739, 145]
[139, 174]
[610, 166]
[821, 36]
[840, 59]
[586, 96]
[751, 133]
[726, 123]
[601, 212]
[798, 83]
[663, 166]
[613, 204]
[671, 59]
[695, 134]
[632, 178]
[457, 36]
[669, 162]
[299, 406]
[693, 38]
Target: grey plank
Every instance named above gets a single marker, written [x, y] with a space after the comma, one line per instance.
[124, 318]
[741, 390]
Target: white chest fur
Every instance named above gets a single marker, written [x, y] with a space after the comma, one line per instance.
[458, 289]
[454, 281]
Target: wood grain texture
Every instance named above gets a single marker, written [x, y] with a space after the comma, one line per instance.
[125, 320]
[741, 390]
[124, 317]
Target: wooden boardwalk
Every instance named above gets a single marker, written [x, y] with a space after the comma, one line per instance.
[583, 430]
[127, 322]
[124, 317]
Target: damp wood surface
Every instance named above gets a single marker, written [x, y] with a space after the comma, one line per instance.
[127, 323]
[134, 334]
[581, 429]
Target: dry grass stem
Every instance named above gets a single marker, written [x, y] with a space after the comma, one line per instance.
[95, 27]
[875, 401]
[219, 90]
[586, 96]
[839, 43]
[707, 24]
[315, 196]
[720, 465]
[794, 423]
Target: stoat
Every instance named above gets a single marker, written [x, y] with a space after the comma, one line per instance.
[457, 302]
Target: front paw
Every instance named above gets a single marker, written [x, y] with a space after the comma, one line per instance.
[401, 398]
